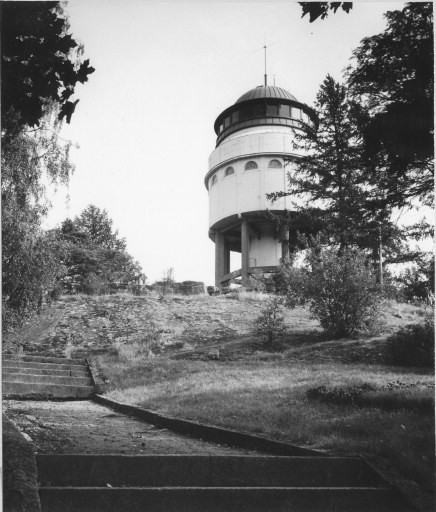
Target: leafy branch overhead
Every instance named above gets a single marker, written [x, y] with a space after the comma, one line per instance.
[41, 62]
[317, 10]
[391, 75]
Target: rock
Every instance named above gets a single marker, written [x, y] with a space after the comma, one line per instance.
[27, 437]
[213, 354]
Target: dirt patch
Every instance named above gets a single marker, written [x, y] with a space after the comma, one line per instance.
[87, 427]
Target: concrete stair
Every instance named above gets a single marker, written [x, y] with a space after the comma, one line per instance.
[47, 377]
[194, 483]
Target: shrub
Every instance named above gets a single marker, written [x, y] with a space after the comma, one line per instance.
[270, 323]
[340, 289]
[412, 345]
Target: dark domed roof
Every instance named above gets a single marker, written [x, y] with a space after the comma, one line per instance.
[266, 91]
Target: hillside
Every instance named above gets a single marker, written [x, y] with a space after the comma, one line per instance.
[80, 325]
[197, 358]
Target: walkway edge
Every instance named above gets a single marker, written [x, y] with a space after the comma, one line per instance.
[19, 471]
[210, 433]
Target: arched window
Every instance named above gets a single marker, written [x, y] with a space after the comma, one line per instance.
[229, 171]
[276, 164]
[214, 179]
[250, 165]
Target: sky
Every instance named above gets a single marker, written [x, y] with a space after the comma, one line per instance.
[164, 71]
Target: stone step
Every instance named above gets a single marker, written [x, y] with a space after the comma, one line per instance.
[48, 379]
[43, 366]
[26, 390]
[219, 499]
[8, 370]
[43, 359]
[204, 471]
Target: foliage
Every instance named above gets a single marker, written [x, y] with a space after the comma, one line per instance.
[321, 9]
[31, 267]
[339, 288]
[339, 193]
[95, 257]
[417, 283]
[31, 259]
[392, 76]
[413, 345]
[40, 68]
[327, 178]
[41, 63]
[270, 323]
[97, 226]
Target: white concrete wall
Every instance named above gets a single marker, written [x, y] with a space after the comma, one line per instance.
[253, 141]
[246, 190]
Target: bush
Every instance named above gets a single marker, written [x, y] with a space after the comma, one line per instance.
[340, 289]
[412, 345]
[270, 323]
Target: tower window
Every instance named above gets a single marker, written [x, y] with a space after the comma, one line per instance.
[229, 171]
[284, 110]
[214, 179]
[276, 164]
[235, 117]
[272, 110]
[259, 110]
[250, 165]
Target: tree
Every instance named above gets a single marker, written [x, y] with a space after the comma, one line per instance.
[31, 266]
[327, 175]
[97, 225]
[41, 63]
[95, 257]
[392, 77]
[40, 66]
[321, 9]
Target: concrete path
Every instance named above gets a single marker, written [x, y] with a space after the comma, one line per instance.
[86, 427]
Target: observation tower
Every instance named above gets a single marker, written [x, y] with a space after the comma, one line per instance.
[254, 139]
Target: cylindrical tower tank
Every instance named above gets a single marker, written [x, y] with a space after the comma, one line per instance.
[254, 138]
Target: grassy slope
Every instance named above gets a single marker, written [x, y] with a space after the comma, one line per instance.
[251, 387]
[262, 391]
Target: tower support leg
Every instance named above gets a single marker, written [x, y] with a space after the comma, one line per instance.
[226, 259]
[285, 242]
[244, 251]
[220, 258]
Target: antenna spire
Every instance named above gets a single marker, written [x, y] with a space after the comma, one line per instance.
[264, 47]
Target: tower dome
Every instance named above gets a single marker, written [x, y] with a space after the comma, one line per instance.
[264, 105]
[267, 91]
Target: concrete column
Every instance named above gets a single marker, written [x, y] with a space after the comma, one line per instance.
[219, 258]
[226, 260]
[285, 242]
[245, 241]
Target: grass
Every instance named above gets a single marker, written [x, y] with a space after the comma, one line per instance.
[265, 391]
[270, 397]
